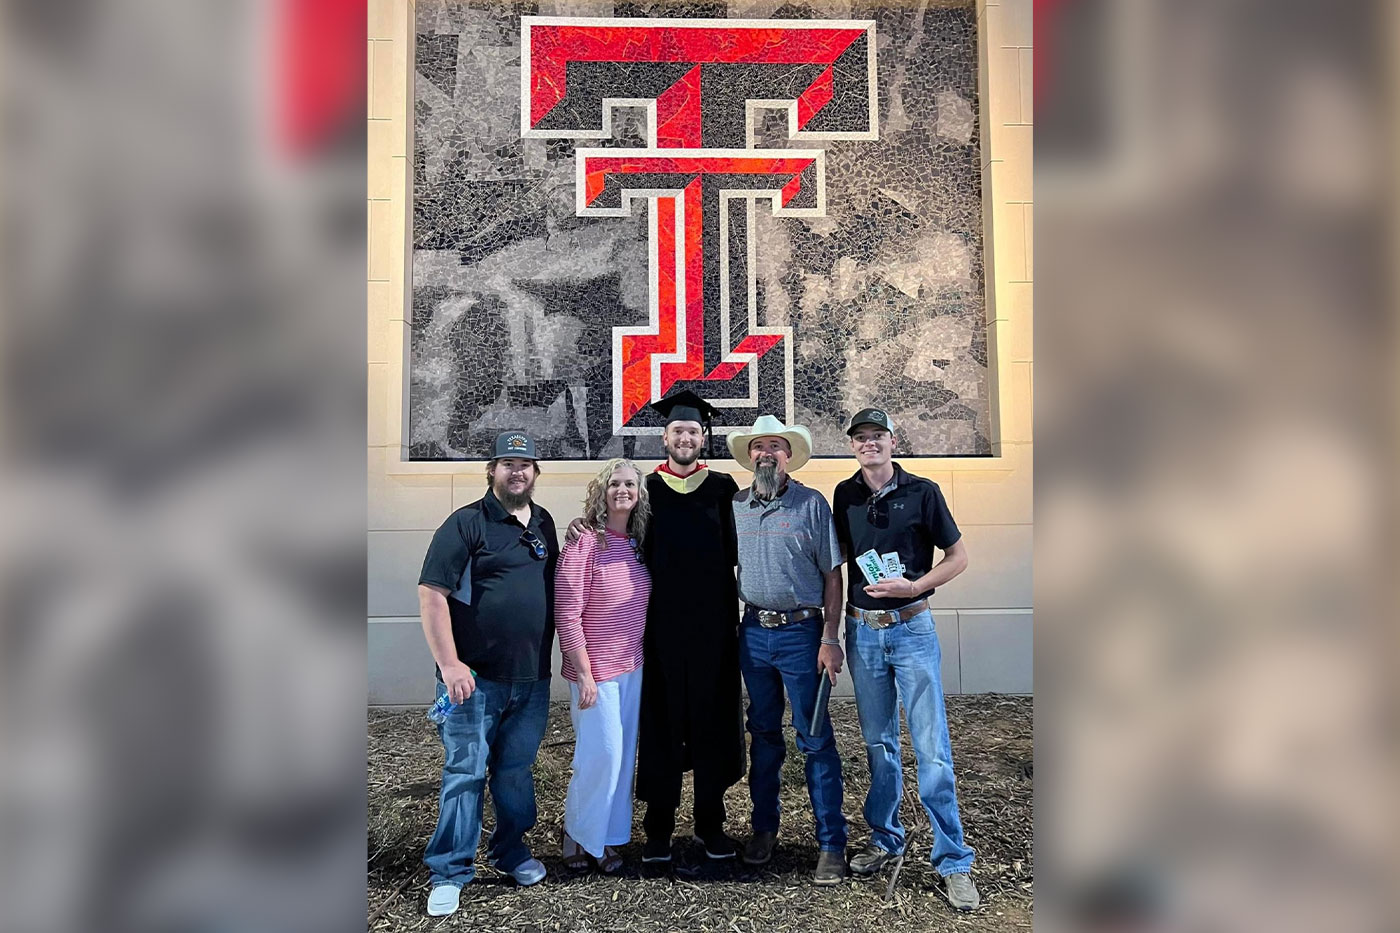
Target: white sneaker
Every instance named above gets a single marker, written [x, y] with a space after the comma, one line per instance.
[531, 871]
[962, 893]
[443, 900]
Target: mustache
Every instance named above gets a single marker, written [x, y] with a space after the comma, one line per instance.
[766, 461]
[686, 455]
[513, 500]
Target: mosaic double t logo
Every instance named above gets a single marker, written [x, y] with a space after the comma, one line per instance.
[702, 82]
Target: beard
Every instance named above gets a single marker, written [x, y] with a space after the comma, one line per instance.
[765, 479]
[683, 457]
[511, 500]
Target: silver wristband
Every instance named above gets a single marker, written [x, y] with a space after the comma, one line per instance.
[834, 642]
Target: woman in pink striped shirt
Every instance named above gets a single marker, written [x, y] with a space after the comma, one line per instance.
[601, 589]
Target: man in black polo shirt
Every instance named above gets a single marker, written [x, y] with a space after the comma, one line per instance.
[487, 600]
[887, 517]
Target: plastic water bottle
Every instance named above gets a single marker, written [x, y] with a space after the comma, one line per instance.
[443, 707]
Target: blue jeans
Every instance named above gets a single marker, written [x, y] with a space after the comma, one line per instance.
[496, 732]
[889, 666]
[771, 660]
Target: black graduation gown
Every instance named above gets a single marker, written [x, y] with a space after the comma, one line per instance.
[692, 709]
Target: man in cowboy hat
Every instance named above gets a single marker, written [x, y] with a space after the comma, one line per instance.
[790, 582]
[486, 596]
[884, 511]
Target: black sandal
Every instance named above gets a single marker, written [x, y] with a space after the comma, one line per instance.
[611, 863]
[576, 860]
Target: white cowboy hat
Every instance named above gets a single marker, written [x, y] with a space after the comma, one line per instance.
[769, 426]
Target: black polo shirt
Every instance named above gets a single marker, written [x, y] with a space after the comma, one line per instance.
[911, 519]
[502, 597]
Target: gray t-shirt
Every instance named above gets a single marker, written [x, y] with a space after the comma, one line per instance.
[785, 546]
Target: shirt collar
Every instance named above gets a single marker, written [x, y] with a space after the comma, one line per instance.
[665, 467]
[900, 478]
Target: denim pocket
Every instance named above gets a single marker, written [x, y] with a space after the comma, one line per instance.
[921, 624]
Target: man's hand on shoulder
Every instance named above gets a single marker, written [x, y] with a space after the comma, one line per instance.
[575, 530]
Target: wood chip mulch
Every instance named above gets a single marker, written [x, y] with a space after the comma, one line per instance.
[992, 752]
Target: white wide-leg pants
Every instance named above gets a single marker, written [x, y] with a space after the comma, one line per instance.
[598, 808]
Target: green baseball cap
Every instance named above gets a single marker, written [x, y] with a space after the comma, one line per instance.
[874, 416]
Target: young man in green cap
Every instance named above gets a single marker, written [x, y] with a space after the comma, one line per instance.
[890, 524]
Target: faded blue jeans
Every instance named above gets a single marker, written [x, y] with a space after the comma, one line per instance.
[890, 666]
[490, 740]
[771, 660]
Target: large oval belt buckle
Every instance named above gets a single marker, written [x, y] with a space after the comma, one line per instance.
[768, 618]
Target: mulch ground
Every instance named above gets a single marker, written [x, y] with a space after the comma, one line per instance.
[991, 750]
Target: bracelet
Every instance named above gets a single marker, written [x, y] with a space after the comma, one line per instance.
[834, 642]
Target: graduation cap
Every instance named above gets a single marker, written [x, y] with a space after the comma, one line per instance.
[685, 405]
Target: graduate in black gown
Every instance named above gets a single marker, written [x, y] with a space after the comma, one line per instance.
[692, 710]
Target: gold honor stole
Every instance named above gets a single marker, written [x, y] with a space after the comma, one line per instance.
[684, 484]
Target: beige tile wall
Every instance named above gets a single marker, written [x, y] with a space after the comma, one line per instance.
[984, 616]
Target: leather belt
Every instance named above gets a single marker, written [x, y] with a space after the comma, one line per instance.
[777, 618]
[884, 618]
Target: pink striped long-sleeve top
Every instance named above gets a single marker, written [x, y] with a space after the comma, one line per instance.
[600, 603]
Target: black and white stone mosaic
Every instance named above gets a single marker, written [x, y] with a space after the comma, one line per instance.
[514, 297]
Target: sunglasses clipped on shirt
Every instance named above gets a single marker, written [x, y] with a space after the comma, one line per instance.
[872, 507]
[536, 546]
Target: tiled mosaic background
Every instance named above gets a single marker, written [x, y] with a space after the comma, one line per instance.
[515, 298]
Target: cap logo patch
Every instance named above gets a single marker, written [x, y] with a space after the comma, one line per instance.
[516, 442]
[878, 414]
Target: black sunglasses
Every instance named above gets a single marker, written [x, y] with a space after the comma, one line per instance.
[872, 509]
[535, 545]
